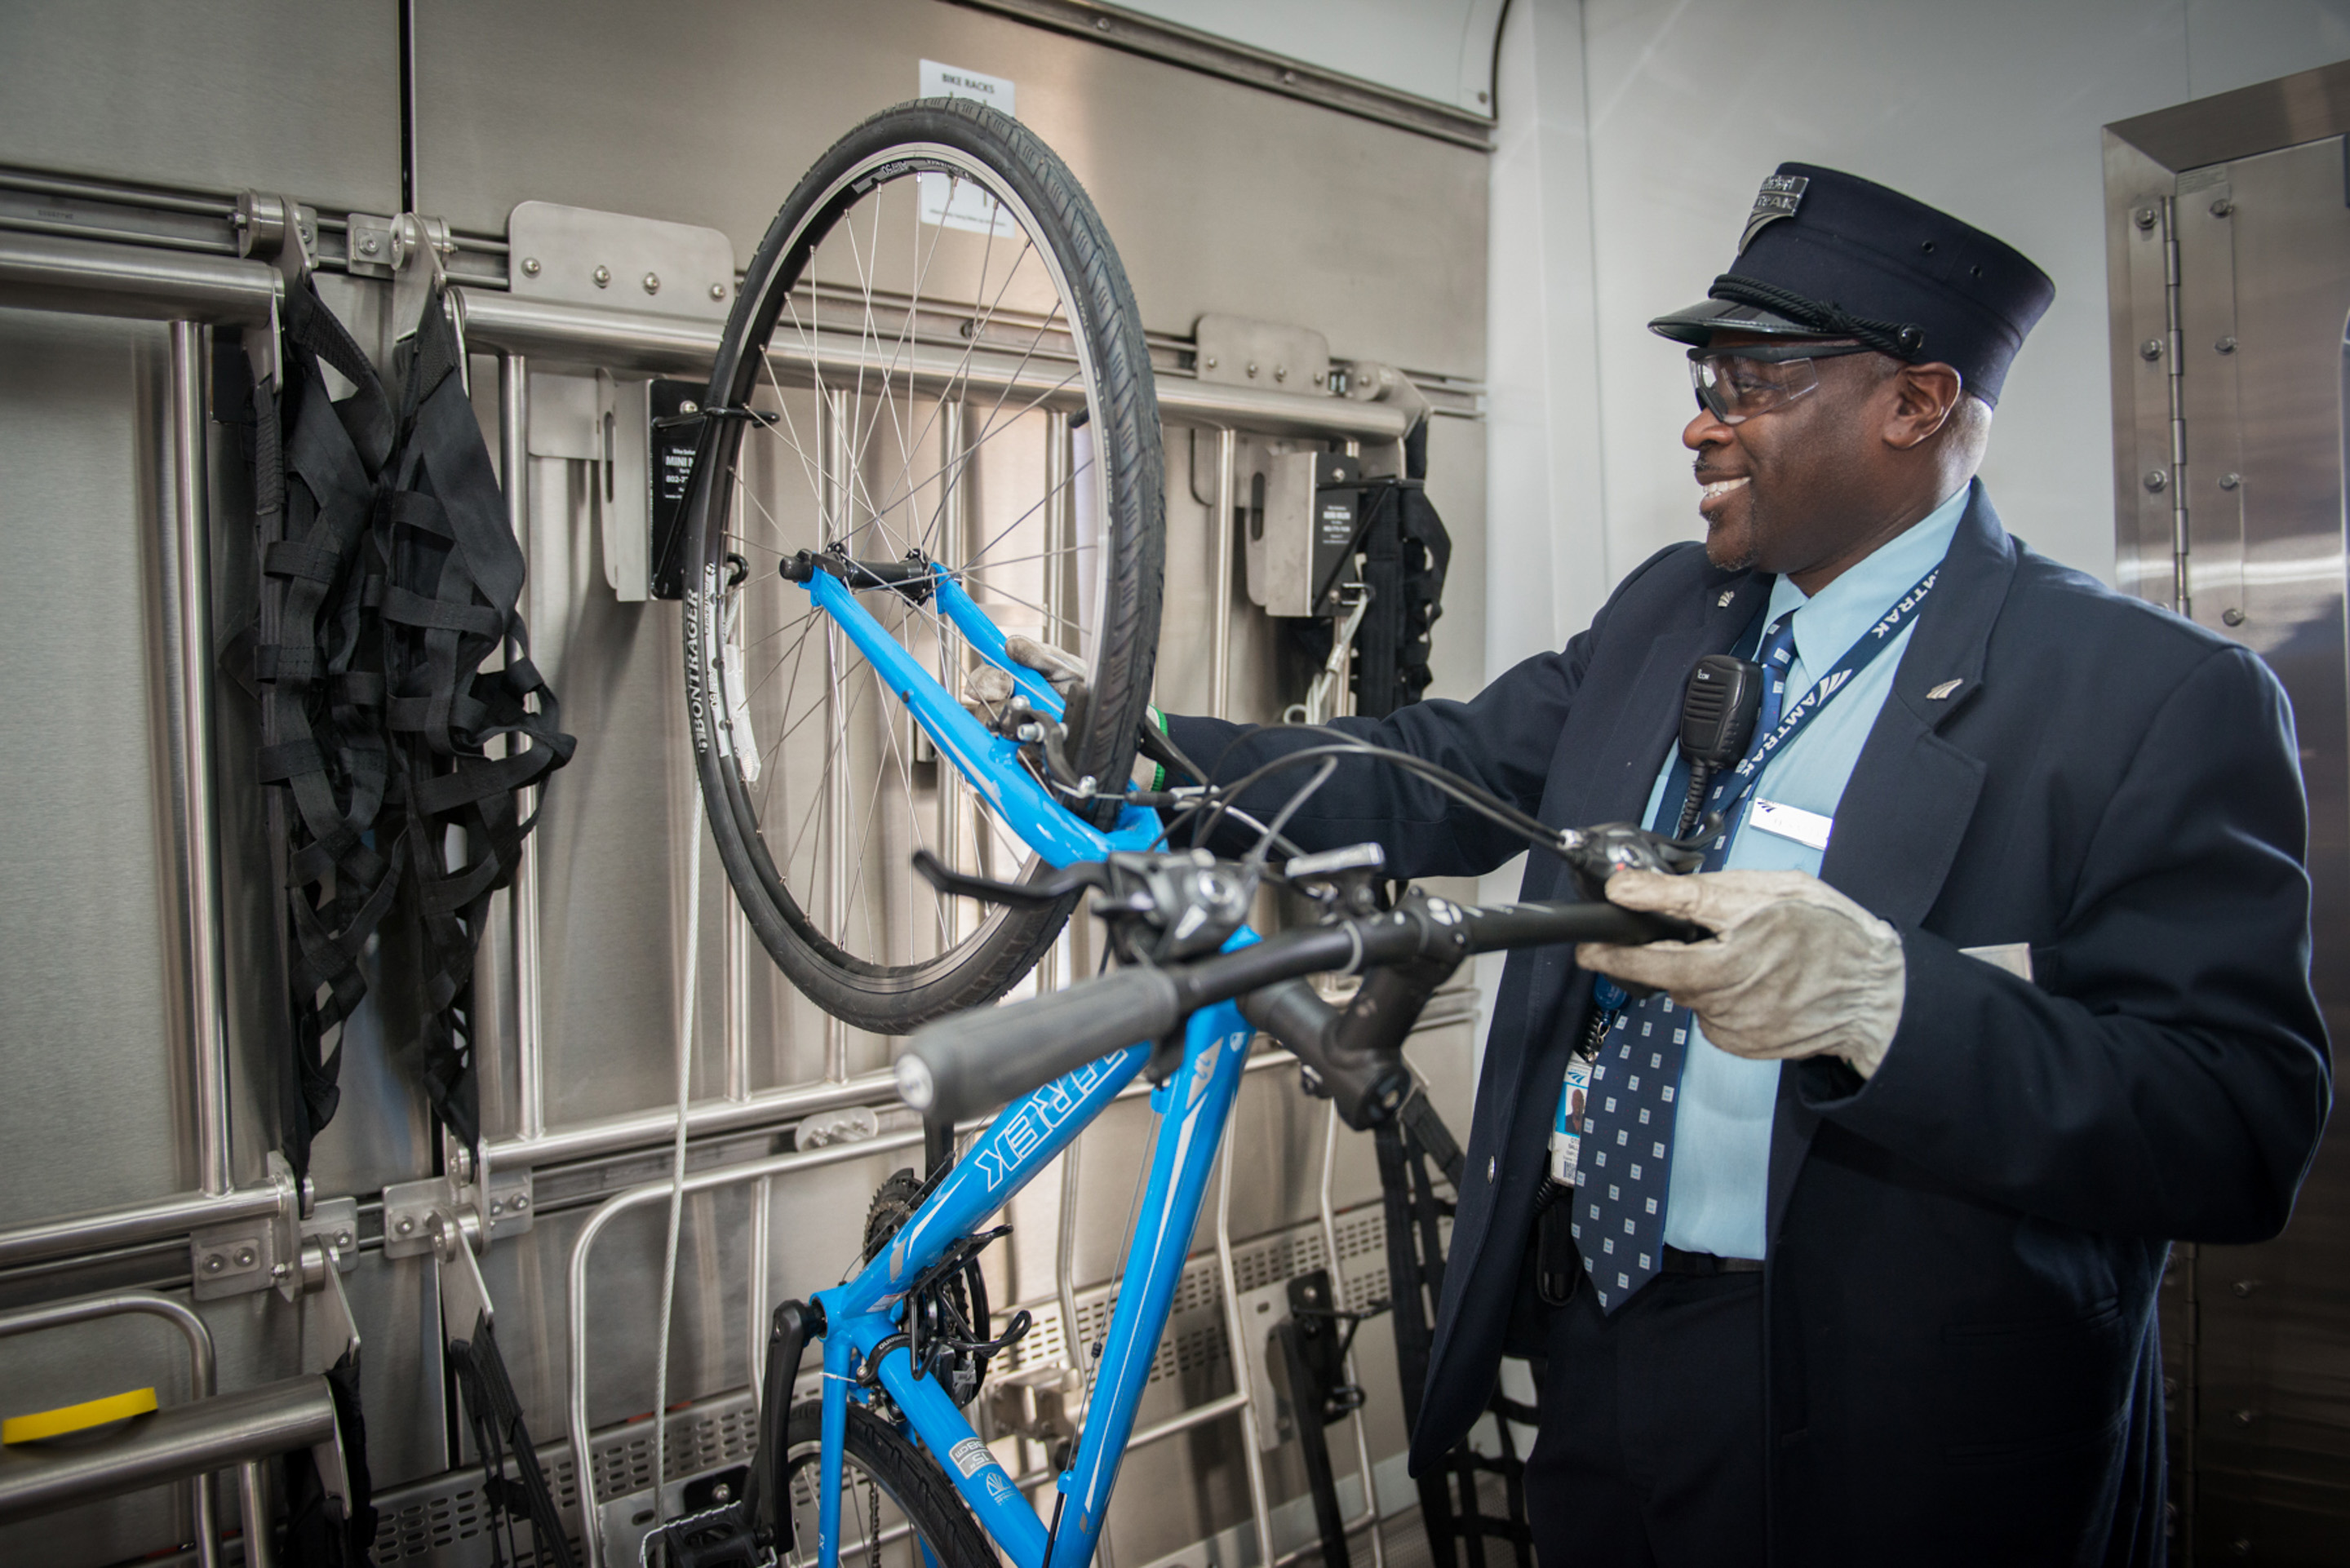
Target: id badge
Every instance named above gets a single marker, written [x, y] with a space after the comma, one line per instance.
[1566, 1129]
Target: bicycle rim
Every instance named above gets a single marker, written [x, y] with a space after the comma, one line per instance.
[974, 391]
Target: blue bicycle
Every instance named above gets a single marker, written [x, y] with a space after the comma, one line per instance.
[830, 626]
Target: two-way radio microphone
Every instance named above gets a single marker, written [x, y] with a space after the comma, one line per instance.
[1718, 710]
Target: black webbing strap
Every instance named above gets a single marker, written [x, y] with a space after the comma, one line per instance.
[454, 574]
[1413, 1151]
[496, 1416]
[317, 668]
[318, 1533]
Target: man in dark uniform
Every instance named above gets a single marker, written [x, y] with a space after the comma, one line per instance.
[1852, 1257]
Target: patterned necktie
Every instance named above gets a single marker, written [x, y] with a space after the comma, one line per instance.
[1623, 1172]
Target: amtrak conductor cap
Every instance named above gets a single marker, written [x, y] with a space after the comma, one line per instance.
[1829, 255]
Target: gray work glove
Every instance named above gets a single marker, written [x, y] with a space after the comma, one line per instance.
[987, 688]
[1794, 968]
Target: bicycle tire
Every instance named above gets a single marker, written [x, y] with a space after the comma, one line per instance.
[876, 989]
[909, 1478]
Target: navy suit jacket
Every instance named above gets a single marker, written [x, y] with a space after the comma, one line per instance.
[1962, 1363]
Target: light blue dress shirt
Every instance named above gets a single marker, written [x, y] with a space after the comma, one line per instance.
[1721, 1132]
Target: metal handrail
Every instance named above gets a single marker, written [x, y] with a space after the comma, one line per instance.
[177, 1443]
[611, 1209]
[94, 277]
[203, 1379]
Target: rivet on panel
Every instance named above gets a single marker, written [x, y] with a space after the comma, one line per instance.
[2232, 616]
[2230, 481]
[2146, 217]
[530, 266]
[2155, 480]
[2150, 349]
[2221, 207]
[2225, 346]
[717, 291]
[652, 282]
[603, 276]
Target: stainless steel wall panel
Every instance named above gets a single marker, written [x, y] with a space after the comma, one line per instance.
[282, 95]
[93, 1032]
[2274, 1354]
[2260, 1356]
[394, 1300]
[615, 828]
[1220, 197]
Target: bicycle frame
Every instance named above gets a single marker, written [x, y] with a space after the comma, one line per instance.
[1192, 1107]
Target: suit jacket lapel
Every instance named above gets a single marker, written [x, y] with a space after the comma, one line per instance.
[1649, 717]
[1912, 793]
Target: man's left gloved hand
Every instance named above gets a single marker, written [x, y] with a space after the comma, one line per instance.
[1794, 968]
[989, 687]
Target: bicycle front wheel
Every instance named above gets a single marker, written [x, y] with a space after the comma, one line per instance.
[934, 355]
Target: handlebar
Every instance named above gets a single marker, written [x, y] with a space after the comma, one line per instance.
[961, 1067]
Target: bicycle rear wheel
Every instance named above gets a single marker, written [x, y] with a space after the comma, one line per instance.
[935, 353]
[898, 1509]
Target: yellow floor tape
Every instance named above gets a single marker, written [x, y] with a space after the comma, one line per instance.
[77, 1418]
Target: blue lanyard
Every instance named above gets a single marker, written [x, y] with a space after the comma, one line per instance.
[1880, 636]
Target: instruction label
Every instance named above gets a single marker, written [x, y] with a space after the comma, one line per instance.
[953, 204]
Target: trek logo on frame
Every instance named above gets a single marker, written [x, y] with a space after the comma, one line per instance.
[1024, 1131]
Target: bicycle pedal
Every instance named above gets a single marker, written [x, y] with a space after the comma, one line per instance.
[720, 1538]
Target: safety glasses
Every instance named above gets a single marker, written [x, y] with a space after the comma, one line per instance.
[1736, 384]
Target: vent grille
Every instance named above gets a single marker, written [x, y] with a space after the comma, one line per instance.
[1194, 1342]
[443, 1521]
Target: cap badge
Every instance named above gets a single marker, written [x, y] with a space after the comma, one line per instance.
[1780, 196]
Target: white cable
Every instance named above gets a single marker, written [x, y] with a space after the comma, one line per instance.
[677, 1157]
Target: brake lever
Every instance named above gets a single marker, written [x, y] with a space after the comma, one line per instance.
[1037, 895]
[1596, 854]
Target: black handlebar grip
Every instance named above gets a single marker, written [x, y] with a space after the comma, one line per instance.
[975, 1062]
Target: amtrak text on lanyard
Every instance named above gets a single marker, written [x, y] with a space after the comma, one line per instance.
[1857, 658]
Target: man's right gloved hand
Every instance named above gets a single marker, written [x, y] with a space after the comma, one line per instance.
[987, 688]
